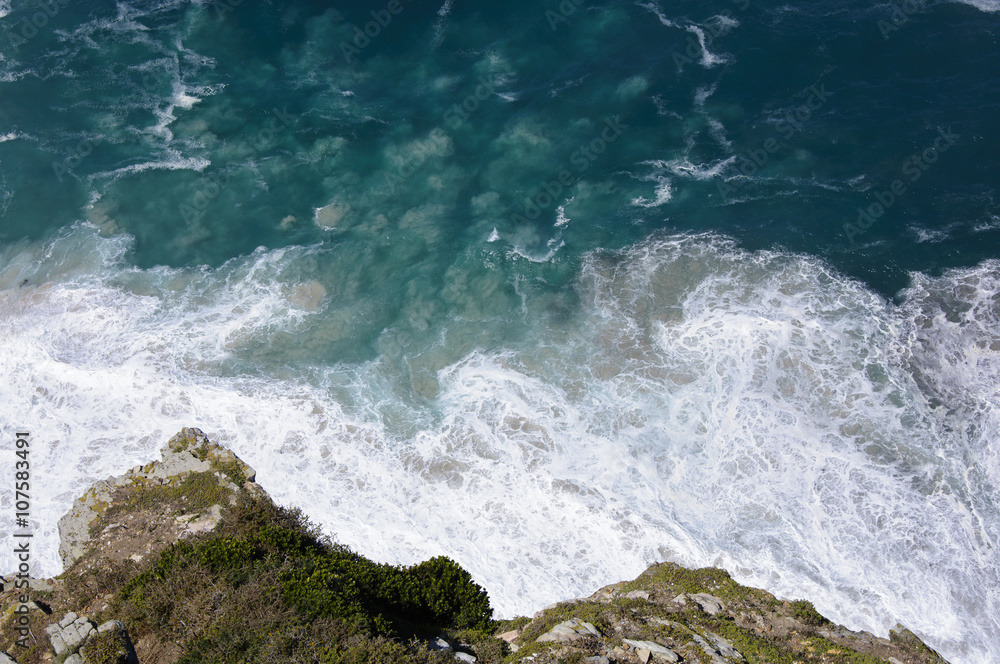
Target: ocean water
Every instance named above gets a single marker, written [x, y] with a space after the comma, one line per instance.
[557, 289]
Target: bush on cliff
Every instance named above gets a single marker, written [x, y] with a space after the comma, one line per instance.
[266, 584]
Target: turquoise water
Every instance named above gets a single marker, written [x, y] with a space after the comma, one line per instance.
[556, 289]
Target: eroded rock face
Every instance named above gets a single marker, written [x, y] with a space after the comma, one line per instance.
[189, 452]
[80, 641]
[646, 650]
[673, 614]
[569, 631]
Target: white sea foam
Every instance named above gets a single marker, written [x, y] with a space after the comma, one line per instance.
[655, 9]
[705, 405]
[538, 254]
[664, 192]
[561, 219]
[985, 226]
[4, 8]
[708, 59]
[985, 5]
[439, 25]
[171, 161]
[664, 171]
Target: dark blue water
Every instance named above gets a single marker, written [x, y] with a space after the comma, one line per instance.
[557, 289]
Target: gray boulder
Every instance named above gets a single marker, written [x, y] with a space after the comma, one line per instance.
[80, 641]
[569, 631]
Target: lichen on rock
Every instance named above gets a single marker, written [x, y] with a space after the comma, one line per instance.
[195, 478]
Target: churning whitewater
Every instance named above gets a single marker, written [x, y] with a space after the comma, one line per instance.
[704, 404]
[556, 289]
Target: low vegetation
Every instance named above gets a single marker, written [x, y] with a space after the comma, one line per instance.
[265, 586]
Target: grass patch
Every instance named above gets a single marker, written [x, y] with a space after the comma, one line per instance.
[195, 492]
[806, 613]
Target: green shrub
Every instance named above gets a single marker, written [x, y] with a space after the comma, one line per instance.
[806, 613]
[450, 595]
[253, 589]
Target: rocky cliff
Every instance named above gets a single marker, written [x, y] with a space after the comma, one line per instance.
[187, 560]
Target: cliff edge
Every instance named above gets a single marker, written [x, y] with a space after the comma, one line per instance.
[187, 560]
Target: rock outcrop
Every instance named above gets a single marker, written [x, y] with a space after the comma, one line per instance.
[78, 640]
[126, 520]
[668, 614]
[178, 509]
[672, 614]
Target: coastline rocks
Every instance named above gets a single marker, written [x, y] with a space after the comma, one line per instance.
[80, 641]
[569, 631]
[673, 614]
[650, 649]
[67, 635]
[707, 603]
[189, 452]
[668, 614]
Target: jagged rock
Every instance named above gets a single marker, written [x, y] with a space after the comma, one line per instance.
[899, 634]
[190, 451]
[607, 593]
[598, 659]
[195, 524]
[109, 645]
[79, 640]
[6, 659]
[465, 657]
[510, 636]
[637, 594]
[717, 648]
[439, 644]
[723, 647]
[68, 634]
[569, 631]
[708, 603]
[647, 649]
[116, 625]
[42, 585]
